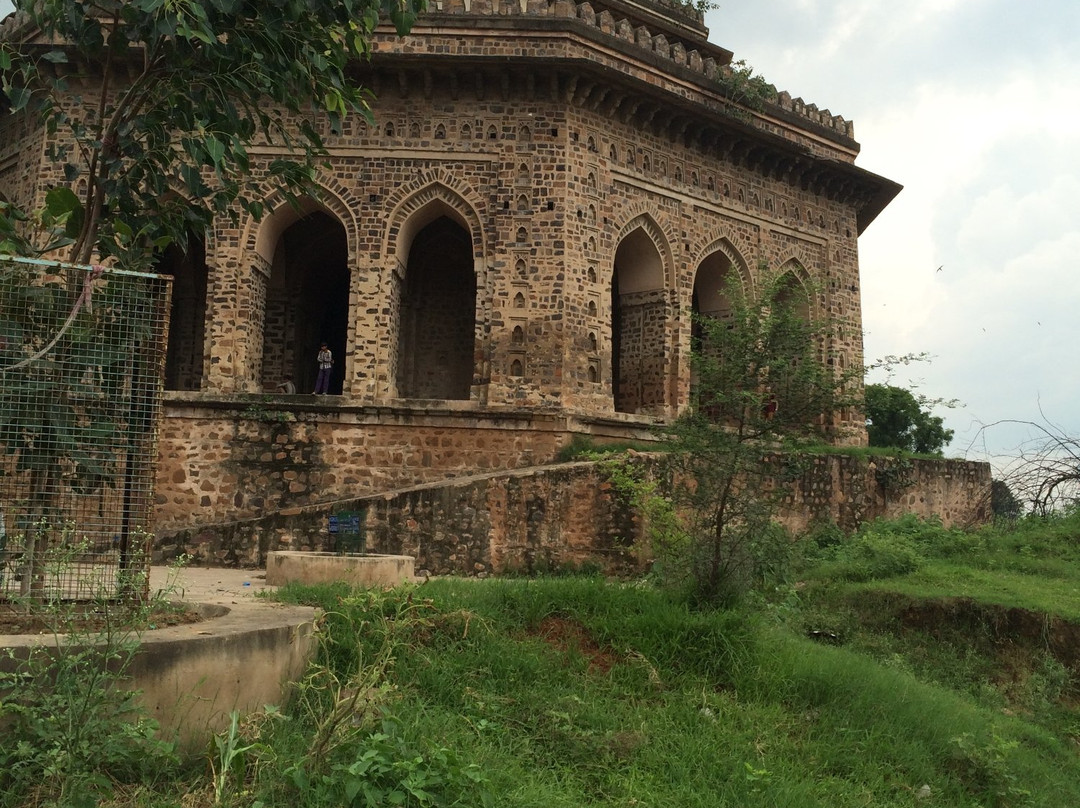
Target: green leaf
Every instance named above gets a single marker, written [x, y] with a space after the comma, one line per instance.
[61, 201]
[18, 97]
[215, 148]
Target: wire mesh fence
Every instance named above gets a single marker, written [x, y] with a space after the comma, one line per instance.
[82, 353]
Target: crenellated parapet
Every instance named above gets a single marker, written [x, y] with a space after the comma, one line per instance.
[668, 29]
[681, 41]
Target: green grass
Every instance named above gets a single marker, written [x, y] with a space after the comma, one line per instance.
[886, 667]
[581, 692]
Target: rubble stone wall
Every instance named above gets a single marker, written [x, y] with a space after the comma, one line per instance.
[570, 515]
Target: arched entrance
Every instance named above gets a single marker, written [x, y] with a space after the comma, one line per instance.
[638, 325]
[187, 315]
[716, 282]
[791, 295]
[307, 302]
[437, 314]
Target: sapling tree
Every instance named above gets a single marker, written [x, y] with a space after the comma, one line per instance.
[763, 390]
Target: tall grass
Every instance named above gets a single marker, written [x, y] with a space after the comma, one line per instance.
[637, 699]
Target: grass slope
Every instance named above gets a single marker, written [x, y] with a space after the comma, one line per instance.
[907, 665]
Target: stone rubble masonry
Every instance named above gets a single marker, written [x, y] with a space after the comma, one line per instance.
[569, 515]
[576, 149]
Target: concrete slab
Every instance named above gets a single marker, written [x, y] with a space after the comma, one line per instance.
[360, 569]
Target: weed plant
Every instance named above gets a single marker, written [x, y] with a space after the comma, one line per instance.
[71, 729]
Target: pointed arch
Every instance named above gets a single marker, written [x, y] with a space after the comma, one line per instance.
[794, 289]
[306, 301]
[259, 309]
[434, 240]
[640, 317]
[720, 278]
[419, 204]
[719, 268]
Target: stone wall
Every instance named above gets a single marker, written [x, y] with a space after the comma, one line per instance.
[569, 515]
[242, 456]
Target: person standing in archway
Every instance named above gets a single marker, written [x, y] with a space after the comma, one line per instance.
[326, 364]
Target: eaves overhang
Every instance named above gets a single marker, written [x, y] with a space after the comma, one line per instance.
[707, 122]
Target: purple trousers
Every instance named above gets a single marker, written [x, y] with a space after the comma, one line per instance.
[322, 381]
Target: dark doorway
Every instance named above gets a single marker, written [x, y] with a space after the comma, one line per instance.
[436, 339]
[307, 302]
[187, 315]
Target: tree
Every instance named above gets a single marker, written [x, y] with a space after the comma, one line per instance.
[897, 419]
[1003, 503]
[181, 89]
[1044, 475]
[149, 111]
[762, 393]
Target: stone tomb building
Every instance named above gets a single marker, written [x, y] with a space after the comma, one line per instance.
[506, 258]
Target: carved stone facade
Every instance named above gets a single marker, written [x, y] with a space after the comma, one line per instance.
[508, 256]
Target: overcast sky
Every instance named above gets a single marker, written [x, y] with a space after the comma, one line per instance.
[974, 107]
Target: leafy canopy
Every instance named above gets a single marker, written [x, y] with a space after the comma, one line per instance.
[762, 390]
[897, 419]
[158, 138]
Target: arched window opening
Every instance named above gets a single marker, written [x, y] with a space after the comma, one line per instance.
[307, 303]
[187, 316]
[638, 325]
[389, 131]
[594, 374]
[590, 274]
[524, 133]
[519, 301]
[522, 203]
[517, 336]
[436, 344]
[492, 133]
[613, 153]
[590, 144]
[592, 244]
[466, 132]
[522, 235]
[594, 346]
[523, 173]
[521, 268]
[414, 130]
[793, 296]
[591, 308]
[715, 283]
[440, 132]
[517, 369]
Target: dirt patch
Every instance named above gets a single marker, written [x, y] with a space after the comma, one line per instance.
[569, 636]
[93, 618]
[996, 625]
